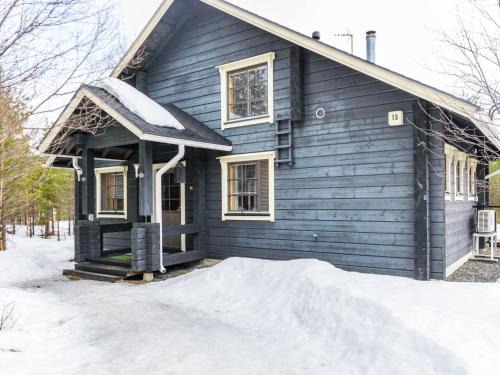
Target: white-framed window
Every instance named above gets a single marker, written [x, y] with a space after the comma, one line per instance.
[459, 175]
[247, 91]
[111, 188]
[248, 186]
[471, 179]
[448, 171]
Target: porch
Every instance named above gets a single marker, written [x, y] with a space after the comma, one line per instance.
[139, 189]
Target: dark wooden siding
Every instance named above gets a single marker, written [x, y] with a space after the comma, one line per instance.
[352, 178]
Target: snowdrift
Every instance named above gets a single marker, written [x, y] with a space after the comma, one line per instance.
[349, 322]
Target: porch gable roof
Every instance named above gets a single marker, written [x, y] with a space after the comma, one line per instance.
[194, 134]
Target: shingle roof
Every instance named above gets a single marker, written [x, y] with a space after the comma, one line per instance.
[194, 131]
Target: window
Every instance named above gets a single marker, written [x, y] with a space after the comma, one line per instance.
[171, 196]
[471, 178]
[248, 186]
[447, 173]
[247, 91]
[459, 187]
[111, 187]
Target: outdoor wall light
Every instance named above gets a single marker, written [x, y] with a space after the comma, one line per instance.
[137, 173]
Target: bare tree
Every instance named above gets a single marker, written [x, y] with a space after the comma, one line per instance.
[49, 47]
[473, 63]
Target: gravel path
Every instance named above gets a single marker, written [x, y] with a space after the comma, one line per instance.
[475, 271]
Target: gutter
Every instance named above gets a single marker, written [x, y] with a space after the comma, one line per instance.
[158, 189]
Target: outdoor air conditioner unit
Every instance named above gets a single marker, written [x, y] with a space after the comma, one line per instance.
[486, 221]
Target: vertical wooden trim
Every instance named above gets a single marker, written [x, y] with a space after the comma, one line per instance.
[421, 192]
[146, 183]
[88, 196]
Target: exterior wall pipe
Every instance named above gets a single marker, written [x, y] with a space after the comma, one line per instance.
[77, 168]
[158, 189]
[370, 46]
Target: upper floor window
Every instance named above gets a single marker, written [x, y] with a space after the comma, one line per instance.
[247, 91]
[111, 187]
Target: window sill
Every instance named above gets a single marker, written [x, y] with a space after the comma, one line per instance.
[105, 215]
[472, 198]
[447, 197]
[459, 197]
[247, 121]
[248, 217]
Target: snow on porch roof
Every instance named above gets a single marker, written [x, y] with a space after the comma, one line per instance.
[174, 126]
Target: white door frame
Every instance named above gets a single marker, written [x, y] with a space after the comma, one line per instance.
[156, 167]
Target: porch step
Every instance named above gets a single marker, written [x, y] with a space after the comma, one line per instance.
[107, 269]
[92, 276]
[111, 262]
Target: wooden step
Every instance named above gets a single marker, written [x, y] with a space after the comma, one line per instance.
[111, 262]
[107, 269]
[92, 276]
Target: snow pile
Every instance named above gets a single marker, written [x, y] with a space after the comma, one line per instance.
[350, 323]
[138, 103]
[245, 317]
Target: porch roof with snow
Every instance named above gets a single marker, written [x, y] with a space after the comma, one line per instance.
[162, 123]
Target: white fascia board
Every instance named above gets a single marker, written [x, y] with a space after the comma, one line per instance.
[63, 117]
[433, 95]
[416, 88]
[178, 141]
[142, 37]
[123, 121]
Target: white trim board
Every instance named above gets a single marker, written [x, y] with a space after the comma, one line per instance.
[457, 264]
[433, 95]
[83, 92]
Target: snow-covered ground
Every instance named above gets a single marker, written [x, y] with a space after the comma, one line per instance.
[241, 317]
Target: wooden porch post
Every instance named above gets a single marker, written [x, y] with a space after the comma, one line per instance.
[146, 183]
[200, 205]
[88, 185]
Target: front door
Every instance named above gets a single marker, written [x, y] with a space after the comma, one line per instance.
[171, 206]
[173, 209]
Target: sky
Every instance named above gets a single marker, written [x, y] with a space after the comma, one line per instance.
[408, 32]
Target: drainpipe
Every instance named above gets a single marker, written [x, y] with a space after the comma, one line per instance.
[158, 188]
[78, 169]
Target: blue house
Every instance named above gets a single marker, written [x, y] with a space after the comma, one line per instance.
[226, 134]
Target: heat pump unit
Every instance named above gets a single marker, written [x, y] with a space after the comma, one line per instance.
[486, 221]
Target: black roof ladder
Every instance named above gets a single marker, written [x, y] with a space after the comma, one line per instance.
[284, 142]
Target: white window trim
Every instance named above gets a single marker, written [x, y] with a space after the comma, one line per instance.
[471, 166]
[182, 197]
[224, 161]
[449, 152]
[98, 172]
[266, 58]
[459, 159]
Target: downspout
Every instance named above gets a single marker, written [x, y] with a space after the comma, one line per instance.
[77, 168]
[158, 188]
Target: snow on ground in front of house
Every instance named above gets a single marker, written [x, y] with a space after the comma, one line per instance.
[242, 316]
[138, 103]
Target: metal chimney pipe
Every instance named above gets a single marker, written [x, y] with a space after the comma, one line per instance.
[371, 37]
[316, 35]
